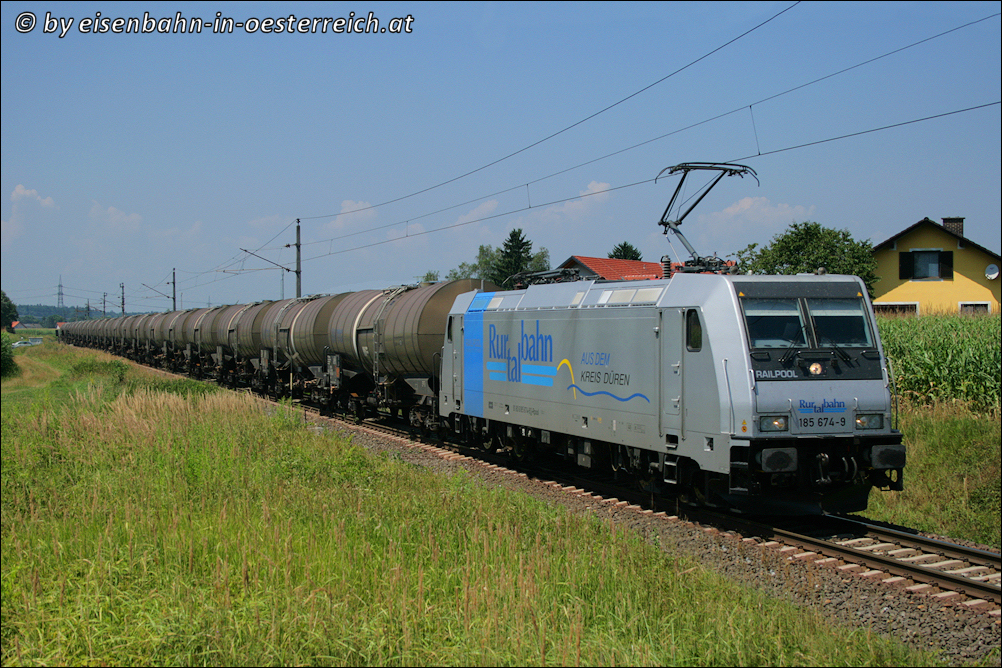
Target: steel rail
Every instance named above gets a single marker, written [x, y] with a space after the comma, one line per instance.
[917, 573]
[931, 545]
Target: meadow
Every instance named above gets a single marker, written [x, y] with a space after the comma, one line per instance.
[147, 521]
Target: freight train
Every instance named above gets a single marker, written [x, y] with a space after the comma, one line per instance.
[764, 394]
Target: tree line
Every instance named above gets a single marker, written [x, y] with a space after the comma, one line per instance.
[802, 248]
[514, 257]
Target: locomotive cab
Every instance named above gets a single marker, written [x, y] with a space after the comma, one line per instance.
[821, 431]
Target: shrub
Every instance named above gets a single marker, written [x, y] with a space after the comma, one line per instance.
[8, 367]
[114, 368]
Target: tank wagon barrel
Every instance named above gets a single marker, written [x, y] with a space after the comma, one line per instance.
[359, 350]
[218, 335]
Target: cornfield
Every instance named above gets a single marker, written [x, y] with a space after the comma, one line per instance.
[946, 358]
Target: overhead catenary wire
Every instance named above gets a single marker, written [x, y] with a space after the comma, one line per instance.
[625, 186]
[651, 140]
[644, 143]
[565, 129]
[651, 180]
[330, 240]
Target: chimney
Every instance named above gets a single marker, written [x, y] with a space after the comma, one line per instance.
[955, 225]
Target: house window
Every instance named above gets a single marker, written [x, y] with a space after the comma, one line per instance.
[925, 264]
[895, 309]
[974, 307]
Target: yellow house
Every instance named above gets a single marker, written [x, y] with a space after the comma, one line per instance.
[933, 268]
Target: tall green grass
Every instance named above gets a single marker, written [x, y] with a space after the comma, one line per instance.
[953, 479]
[948, 370]
[946, 358]
[148, 527]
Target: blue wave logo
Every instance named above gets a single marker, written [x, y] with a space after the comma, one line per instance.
[592, 394]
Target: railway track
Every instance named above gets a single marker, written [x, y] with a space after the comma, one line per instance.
[946, 571]
[974, 572]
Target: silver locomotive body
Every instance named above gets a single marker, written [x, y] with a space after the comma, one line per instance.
[769, 394]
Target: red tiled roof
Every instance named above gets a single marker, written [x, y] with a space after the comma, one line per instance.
[617, 270]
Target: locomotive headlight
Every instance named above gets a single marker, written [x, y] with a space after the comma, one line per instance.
[870, 421]
[772, 423]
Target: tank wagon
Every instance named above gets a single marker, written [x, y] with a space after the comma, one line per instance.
[769, 394]
[356, 352]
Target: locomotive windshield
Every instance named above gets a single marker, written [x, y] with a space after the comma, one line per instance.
[840, 322]
[774, 323]
[814, 322]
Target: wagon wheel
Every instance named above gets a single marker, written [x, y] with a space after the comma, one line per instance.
[522, 448]
[492, 442]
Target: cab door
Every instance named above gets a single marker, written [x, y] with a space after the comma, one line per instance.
[671, 332]
[452, 368]
[701, 413]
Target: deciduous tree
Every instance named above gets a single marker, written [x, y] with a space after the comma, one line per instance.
[429, 277]
[480, 268]
[805, 247]
[8, 311]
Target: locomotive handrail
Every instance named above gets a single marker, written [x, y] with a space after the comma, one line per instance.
[895, 416]
[730, 398]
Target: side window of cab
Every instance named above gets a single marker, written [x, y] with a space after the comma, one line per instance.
[693, 331]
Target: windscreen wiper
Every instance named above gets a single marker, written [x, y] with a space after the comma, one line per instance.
[838, 349]
[790, 353]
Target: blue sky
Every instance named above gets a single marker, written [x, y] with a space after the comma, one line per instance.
[127, 155]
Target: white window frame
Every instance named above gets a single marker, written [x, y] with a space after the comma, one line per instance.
[961, 305]
[917, 305]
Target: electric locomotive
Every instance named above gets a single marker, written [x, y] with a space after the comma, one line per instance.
[768, 394]
[762, 393]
